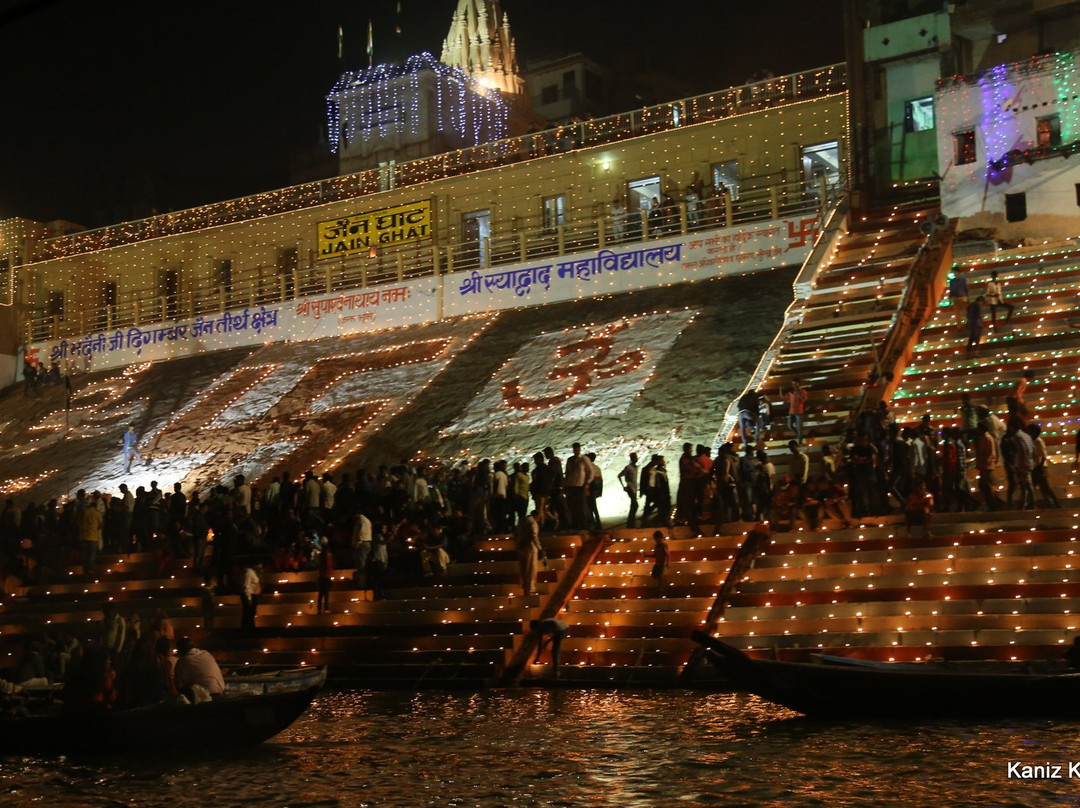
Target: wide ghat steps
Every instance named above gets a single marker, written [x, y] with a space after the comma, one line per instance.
[1041, 336]
[1001, 586]
[635, 627]
[452, 631]
[849, 309]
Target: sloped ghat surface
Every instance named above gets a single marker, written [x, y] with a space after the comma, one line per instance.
[642, 371]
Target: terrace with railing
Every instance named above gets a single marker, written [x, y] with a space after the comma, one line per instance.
[775, 92]
[512, 240]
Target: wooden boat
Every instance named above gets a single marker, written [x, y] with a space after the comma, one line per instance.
[882, 690]
[252, 710]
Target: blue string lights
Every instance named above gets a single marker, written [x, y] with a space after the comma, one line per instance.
[388, 100]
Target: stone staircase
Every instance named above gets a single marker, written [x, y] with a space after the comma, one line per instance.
[624, 625]
[843, 321]
[1002, 588]
[454, 631]
[1042, 285]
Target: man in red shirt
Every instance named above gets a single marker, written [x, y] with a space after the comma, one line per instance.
[796, 400]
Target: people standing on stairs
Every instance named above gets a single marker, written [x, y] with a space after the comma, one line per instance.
[764, 484]
[659, 489]
[661, 556]
[250, 590]
[1018, 449]
[593, 491]
[1016, 396]
[1039, 477]
[691, 477]
[131, 453]
[528, 549]
[747, 482]
[796, 398]
[540, 486]
[749, 407]
[986, 459]
[629, 479]
[958, 292]
[994, 295]
[326, 577]
[361, 545]
[974, 325]
[557, 499]
[519, 493]
[575, 481]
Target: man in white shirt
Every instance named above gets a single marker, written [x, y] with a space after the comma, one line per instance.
[575, 479]
[241, 496]
[994, 295]
[194, 666]
[249, 596]
[361, 544]
[327, 497]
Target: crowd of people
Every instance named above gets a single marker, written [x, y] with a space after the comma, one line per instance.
[704, 205]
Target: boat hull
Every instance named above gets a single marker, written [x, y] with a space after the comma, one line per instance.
[233, 721]
[839, 691]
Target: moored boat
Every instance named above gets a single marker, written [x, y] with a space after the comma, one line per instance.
[250, 712]
[902, 691]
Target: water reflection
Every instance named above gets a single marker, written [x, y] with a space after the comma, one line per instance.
[573, 748]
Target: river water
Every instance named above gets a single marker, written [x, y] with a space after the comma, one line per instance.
[575, 748]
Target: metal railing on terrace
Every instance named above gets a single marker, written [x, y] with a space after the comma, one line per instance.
[512, 241]
[714, 106]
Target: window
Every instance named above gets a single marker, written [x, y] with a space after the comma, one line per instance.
[223, 275]
[554, 212]
[549, 94]
[54, 305]
[919, 114]
[288, 261]
[169, 290]
[643, 193]
[965, 147]
[475, 238]
[726, 175]
[1048, 132]
[594, 86]
[1015, 207]
[821, 161]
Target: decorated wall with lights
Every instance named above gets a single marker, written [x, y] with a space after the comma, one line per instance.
[766, 143]
[1011, 130]
[753, 247]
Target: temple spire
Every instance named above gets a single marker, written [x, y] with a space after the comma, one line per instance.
[480, 43]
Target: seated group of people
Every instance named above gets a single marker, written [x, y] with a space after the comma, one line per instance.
[151, 675]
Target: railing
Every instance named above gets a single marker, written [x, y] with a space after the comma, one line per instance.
[649, 120]
[511, 242]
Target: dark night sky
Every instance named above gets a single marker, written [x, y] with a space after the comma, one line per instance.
[104, 106]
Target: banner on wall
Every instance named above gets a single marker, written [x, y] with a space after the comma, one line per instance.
[630, 266]
[349, 235]
[348, 313]
[621, 268]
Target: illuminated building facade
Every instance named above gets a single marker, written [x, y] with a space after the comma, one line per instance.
[497, 205]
